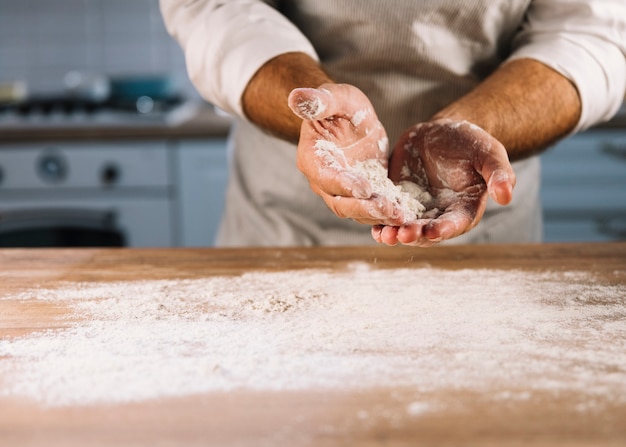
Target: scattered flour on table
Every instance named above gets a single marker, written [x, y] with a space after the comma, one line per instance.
[496, 332]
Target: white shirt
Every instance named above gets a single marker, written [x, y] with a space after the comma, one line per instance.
[226, 42]
[411, 60]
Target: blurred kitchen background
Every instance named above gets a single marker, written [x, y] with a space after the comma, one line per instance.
[41, 40]
[103, 140]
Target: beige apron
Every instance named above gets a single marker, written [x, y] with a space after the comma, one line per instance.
[411, 60]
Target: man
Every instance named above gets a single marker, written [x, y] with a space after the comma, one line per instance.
[456, 88]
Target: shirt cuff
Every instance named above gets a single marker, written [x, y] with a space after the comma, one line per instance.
[597, 69]
[221, 63]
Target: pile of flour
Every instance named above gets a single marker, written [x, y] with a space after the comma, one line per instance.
[489, 331]
[410, 198]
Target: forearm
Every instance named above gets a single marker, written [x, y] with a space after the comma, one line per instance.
[524, 104]
[264, 100]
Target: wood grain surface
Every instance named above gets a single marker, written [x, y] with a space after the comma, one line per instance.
[293, 418]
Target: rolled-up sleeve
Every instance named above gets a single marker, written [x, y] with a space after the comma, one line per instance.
[226, 42]
[585, 41]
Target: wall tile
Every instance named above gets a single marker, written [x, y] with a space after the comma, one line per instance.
[40, 40]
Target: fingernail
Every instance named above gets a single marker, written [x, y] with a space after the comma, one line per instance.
[498, 176]
[307, 104]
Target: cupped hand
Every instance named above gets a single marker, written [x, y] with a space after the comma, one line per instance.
[459, 164]
[339, 130]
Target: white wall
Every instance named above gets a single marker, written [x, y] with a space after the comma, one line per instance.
[41, 40]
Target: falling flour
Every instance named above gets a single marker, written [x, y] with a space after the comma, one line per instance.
[505, 334]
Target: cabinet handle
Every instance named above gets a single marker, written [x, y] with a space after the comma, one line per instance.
[614, 150]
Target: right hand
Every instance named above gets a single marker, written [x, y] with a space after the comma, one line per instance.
[339, 129]
[459, 164]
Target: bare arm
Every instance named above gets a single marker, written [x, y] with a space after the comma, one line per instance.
[524, 104]
[291, 97]
[265, 98]
[523, 107]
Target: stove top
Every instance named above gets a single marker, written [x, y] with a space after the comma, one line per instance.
[63, 111]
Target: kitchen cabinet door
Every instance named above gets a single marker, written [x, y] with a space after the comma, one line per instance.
[584, 187]
[201, 172]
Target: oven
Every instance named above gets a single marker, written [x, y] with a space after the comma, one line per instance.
[120, 191]
[76, 194]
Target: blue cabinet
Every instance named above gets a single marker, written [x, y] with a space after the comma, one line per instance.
[201, 173]
[584, 187]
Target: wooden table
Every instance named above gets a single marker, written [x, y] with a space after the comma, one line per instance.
[291, 418]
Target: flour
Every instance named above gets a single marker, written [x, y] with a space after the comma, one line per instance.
[505, 334]
[331, 155]
[409, 196]
[358, 117]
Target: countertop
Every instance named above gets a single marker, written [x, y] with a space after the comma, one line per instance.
[206, 123]
[366, 416]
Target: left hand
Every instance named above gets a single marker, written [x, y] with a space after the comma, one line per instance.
[340, 130]
[459, 164]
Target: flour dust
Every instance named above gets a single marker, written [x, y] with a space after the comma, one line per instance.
[488, 331]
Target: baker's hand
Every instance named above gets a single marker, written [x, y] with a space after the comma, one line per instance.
[459, 164]
[340, 129]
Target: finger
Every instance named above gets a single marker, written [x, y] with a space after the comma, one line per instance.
[413, 235]
[335, 182]
[389, 235]
[337, 100]
[332, 173]
[376, 233]
[312, 104]
[500, 184]
[458, 218]
[385, 234]
[453, 223]
[498, 174]
[373, 211]
[406, 235]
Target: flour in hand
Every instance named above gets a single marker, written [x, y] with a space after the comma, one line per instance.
[410, 197]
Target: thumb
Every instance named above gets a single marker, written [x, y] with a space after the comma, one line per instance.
[311, 104]
[497, 172]
[500, 183]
